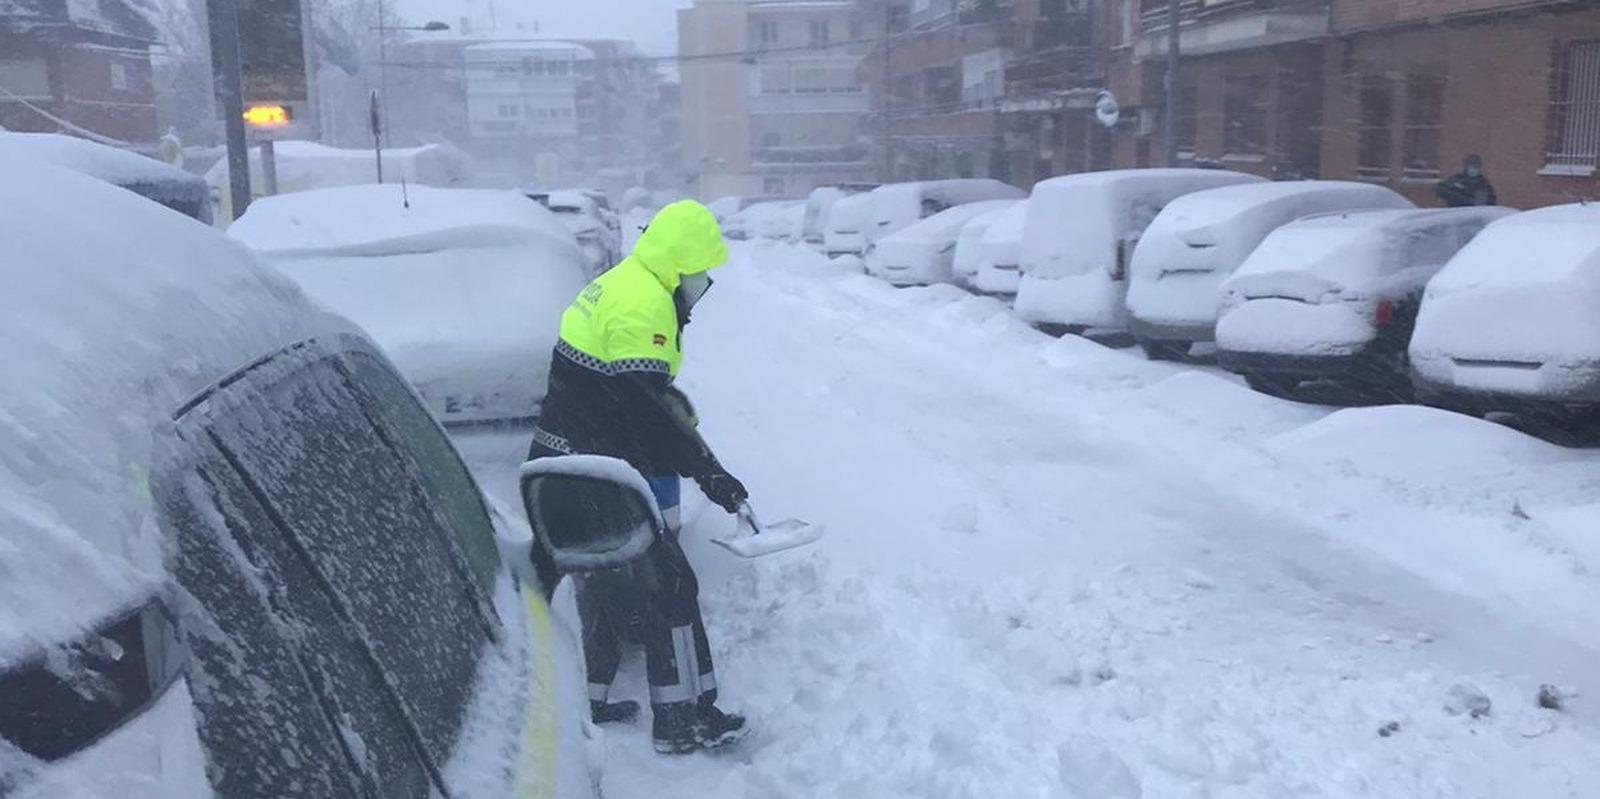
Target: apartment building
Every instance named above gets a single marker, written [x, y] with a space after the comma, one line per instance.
[75, 67]
[772, 102]
[1388, 91]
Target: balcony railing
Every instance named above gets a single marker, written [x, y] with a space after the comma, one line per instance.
[809, 103]
[810, 156]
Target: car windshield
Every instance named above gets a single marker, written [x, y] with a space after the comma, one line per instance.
[1037, 398]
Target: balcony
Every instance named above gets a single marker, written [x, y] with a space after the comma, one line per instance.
[1206, 27]
[809, 103]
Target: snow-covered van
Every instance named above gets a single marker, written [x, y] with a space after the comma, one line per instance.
[848, 220]
[1513, 321]
[1080, 234]
[154, 180]
[464, 288]
[820, 202]
[1334, 297]
[1000, 252]
[898, 205]
[240, 559]
[964, 262]
[1200, 238]
[923, 253]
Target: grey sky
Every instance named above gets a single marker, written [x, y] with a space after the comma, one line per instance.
[651, 23]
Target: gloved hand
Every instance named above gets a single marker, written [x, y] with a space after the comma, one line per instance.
[723, 489]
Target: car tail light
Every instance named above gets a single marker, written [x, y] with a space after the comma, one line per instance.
[1384, 313]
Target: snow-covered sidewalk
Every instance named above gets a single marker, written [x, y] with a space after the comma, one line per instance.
[1056, 570]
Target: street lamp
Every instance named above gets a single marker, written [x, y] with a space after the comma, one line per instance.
[383, 65]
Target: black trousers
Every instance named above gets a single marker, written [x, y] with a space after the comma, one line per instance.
[655, 602]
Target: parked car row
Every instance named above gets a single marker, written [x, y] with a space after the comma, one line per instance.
[1299, 285]
[587, 213]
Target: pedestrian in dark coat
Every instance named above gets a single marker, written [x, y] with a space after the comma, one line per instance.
[1467, 187]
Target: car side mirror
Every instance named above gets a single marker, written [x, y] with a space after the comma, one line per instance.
[589, 512]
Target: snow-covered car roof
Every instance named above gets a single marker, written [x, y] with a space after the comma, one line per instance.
[375, 219]
[1348, 246]
[1205, 217]
[947, 224]
[850, 212]
[116, 312]
[1009, 224]
[1548, 245]
[147, 176]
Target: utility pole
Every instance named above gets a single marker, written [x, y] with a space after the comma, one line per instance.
[1169, 115]
[223, 17]
[888, 91]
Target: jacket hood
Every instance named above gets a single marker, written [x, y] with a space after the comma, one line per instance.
[682, 239]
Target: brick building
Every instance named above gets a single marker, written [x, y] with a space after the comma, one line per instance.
[1388, 91]
[66, 65]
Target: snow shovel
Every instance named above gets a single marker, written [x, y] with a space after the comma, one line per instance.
[751, 539]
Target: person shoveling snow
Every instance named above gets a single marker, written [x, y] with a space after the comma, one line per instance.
[610, 393]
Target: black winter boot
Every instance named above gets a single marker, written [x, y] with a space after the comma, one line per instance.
[717, 728]
[614, 712]
[673, 727]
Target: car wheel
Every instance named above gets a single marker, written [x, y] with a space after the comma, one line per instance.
[1176, 351]
[1273, 387]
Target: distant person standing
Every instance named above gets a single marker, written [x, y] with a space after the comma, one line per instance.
[1467, 187]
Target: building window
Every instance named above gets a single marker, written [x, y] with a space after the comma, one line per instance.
[121, 77]
[819, 33]
[509, 110]
[767, 32]
[772, 186]
[1575, 139]
[1245, 107]
[772, 139]
[810, 80]
[1419, 149]
[775, 80]
[1374, 140]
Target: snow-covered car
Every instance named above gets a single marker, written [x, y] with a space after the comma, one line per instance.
[1334, 297]
[241, 560]
[463, 288]
[924, 252]
[597, 230]
[154, 180]
[1200, 238]
[846, 231]
[1512, 323]
[897, 205]
[819, 202]
[968, 253]
[1000, 252]
[777, 220]
[1080, 235]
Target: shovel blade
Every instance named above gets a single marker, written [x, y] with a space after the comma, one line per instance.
[772, 539]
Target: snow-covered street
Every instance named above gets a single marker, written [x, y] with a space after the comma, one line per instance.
[1058, 570]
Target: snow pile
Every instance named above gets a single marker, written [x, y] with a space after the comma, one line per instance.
[1000, 252]
[1199, 239]
[969, 251]
[1054, 568]
[117, 312]
[1080, 235]
[1525, 291]
[463, 290]
[306, 165]
[1313, 286]
[924, 251]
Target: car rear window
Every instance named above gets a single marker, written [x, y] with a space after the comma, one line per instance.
[340, 555]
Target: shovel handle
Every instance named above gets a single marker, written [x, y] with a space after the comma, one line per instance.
[747, 517]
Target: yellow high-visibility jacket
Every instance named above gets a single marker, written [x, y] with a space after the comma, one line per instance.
[621, 346]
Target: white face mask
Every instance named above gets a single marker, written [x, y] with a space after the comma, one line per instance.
[694, 287]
